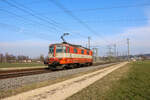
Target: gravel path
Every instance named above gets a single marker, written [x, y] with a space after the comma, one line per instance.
[13, 83]
[62, 90]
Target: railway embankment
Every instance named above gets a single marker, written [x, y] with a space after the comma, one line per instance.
[87, 79]
[12, 86]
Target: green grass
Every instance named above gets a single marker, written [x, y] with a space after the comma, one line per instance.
[11, 65]
[134, 87]
[131, 82]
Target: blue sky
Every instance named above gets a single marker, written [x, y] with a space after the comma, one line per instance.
[30, 36]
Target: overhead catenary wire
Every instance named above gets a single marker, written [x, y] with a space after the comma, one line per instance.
[38, 35]
[34, 22]
[24, 18]
[113, 7]
[29, 20]
[29, 13]
[59, 5]
[53, 22]
[56, 24]
[105, 8]
[118, 20]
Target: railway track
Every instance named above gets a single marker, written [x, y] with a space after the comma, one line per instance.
[26, 72]
[18, 73]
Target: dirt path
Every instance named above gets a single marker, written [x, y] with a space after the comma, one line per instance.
[62, 90]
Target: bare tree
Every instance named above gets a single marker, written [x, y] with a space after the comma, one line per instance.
[42, 58]
[1, 58]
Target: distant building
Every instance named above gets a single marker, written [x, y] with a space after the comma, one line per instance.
[29, 61]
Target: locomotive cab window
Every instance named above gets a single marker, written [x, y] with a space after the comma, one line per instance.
[60, 49]
[51, 49]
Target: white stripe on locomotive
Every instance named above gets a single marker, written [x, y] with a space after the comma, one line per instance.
[72, 55]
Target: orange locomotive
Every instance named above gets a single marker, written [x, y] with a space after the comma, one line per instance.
[65, 55]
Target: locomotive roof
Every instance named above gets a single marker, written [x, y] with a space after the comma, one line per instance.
[78, 46]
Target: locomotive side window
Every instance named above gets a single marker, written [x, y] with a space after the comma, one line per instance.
[75, 50]
[88, 52]
[68, 49]
[82, 51]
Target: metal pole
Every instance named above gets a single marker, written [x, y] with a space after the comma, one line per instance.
[96, 54]
[89, 42]
[109, 51]
[115, 50]
[128, 43]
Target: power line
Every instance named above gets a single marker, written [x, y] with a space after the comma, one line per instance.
[40, 35]
[119, 20]
[24, 18]
[54, 23]
[113, 7]
[105, 8]
[59, 5]
[72, 15]
[29, 20]
[29, 13]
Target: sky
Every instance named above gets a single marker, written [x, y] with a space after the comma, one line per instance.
[27, 27]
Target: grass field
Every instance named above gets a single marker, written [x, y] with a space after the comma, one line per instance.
[131, 82]
[11, 65]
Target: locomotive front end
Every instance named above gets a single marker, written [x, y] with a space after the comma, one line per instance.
[56, 55]
[52, 60]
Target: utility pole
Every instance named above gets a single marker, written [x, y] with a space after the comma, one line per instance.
[109, 51]
[95, 54]
[86, 45]
[89, 42]
[128, 43]
[115, 50]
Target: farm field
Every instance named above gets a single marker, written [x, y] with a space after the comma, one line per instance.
[21, 65]
[11, 65]
[131, 82]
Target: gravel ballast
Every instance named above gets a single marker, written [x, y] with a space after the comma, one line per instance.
[12, 83]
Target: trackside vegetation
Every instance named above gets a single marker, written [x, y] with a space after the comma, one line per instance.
[131, 82]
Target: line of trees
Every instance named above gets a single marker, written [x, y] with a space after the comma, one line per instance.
[9, 58]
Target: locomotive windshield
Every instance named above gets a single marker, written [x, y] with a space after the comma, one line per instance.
[51, 49]
[60, 49]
